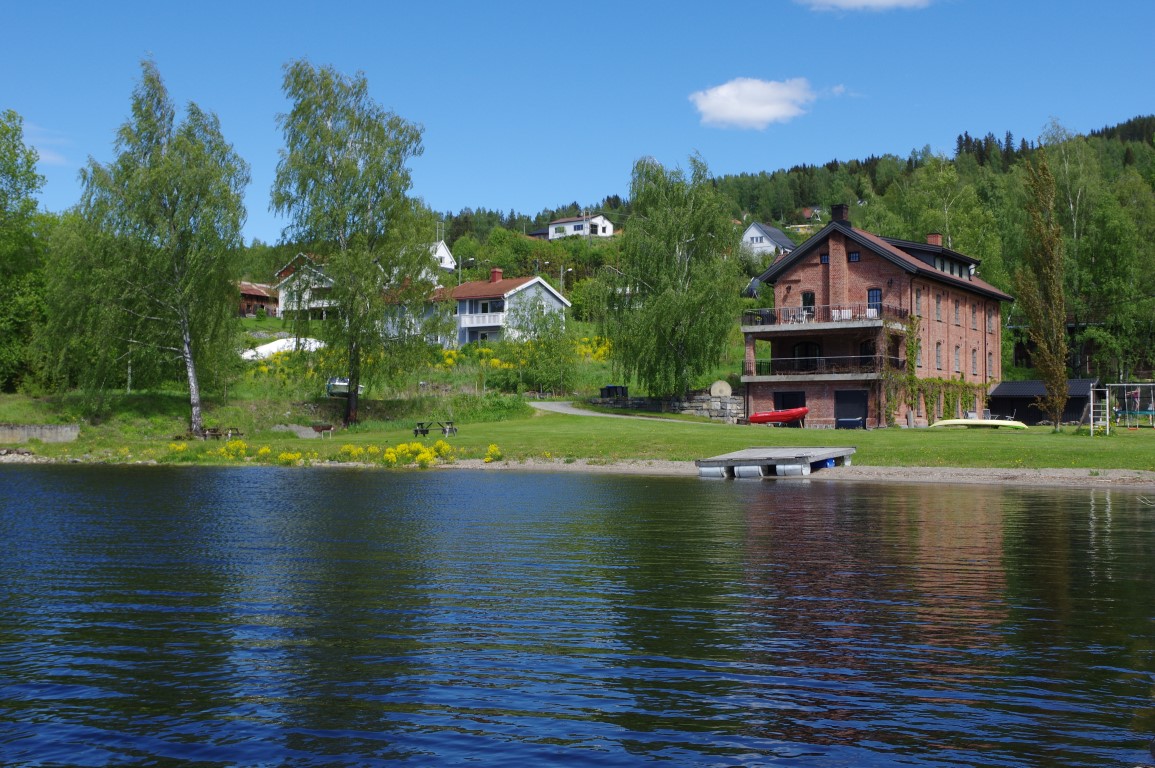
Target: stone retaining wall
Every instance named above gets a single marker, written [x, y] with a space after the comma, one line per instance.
[45, 433]
[725, 408]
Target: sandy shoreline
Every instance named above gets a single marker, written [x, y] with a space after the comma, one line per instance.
[1128, 479]
[1059, 478]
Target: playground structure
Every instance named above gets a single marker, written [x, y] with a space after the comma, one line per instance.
[1128, 406]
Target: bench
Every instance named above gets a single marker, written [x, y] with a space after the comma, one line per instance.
[422, 429]
[323, 430]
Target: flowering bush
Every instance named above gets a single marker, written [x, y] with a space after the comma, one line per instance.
[493, 453]
[178, 447]
[233, 450]
[449, 359]
[263, 452]
[351, 452]
[288, 458]
[596, 349]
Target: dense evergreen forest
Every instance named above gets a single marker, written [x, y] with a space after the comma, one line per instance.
[1104, 196]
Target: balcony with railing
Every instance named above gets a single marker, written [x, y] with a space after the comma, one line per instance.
[849, 365]
[832, 316]
[482, 320]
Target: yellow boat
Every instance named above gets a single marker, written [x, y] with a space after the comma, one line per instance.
[987, 423]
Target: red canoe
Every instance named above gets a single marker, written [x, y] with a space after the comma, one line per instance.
[785, 416]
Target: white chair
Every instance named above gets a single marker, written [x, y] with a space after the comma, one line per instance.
[872, 313]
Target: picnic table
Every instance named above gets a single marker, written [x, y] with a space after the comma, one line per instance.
[423, 427]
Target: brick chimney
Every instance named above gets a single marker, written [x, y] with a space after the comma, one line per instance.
[934, 238]
[840, 212]
[495, 274]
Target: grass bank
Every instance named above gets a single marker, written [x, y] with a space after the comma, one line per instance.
[143, 428]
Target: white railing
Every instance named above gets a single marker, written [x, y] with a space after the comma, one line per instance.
[482, 319]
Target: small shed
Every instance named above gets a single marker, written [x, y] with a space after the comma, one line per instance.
[1017, 399]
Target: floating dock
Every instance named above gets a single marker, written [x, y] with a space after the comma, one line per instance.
[773, 462]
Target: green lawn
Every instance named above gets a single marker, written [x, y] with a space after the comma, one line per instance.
[146, 432]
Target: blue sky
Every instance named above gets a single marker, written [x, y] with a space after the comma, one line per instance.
[528, 105]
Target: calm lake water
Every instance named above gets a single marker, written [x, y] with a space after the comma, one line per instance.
[267, 617]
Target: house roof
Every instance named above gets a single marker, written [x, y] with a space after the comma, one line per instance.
[774, 235]
[257, 289]
[489, 289]
[1035, 388]
[571, 219]
[899, 252]
[500, 289]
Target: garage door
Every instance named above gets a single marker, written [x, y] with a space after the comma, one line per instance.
[850, 408]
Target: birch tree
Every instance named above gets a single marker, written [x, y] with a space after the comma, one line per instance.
[150, 270]
[343, 182]
[20, 301]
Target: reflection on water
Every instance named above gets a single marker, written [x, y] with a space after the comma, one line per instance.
[262, 616]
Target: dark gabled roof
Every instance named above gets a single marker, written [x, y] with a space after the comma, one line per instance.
[1035, 388]
[891, 250]
[573, 219]
[775, 235]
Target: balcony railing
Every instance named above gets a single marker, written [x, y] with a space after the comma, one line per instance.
[482, 320]
[840, 313]
[792, 366]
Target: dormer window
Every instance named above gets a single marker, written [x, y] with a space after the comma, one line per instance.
[852, 256]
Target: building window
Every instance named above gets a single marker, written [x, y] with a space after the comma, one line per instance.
[990, 364]
[990, 320]
[559, 230]
[957, 316]
[974, 317]
[874, 299]
[957, 367]
[938, 355]
[852, 256]
[918, 301]
[918, 357]
[974, 362]
[938, 307]
[576, 227]
[824, 258]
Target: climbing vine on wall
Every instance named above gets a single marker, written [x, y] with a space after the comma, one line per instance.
[905, 386]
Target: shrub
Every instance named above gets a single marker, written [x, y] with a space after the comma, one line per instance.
[288, 458]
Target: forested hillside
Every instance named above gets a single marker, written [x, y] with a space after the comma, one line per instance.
[1105, 194]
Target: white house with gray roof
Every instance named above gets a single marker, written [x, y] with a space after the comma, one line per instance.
[761, 239]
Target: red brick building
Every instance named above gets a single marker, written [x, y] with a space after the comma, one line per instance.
[843, 303]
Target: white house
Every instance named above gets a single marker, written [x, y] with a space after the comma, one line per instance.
[761, 239]
[484, 307]
[441, 255]
[581, 226]
[303, 286]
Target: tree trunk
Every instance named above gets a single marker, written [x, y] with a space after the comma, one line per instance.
[196, 422]
[354, 384]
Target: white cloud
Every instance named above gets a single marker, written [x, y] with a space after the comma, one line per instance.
[748, 103]
[43, 140]
[862, 5]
